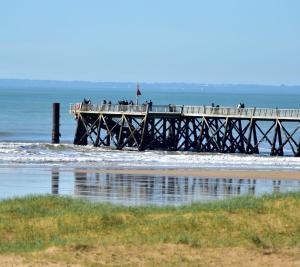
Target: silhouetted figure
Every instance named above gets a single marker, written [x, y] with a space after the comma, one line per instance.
[86, 101]
[150, 105]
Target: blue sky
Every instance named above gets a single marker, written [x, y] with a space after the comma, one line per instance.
[212, 41]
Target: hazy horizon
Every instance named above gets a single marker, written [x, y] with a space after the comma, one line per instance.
[6, 84]
[142, 82]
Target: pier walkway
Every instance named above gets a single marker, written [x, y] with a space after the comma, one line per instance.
[194, 128]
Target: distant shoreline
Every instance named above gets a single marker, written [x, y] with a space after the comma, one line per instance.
[229, 88]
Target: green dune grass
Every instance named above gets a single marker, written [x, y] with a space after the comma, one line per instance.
[36, 223]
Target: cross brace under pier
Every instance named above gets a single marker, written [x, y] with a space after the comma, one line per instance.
[176, 131]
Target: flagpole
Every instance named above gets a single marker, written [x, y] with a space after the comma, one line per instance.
[138, 93]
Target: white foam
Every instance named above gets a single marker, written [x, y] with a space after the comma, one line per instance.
[47, 154]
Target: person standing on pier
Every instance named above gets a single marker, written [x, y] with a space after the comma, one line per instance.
[150, 104]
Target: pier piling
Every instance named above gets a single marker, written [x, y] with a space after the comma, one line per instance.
[55, 123]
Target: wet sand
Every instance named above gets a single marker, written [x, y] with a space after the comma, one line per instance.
[208, 173]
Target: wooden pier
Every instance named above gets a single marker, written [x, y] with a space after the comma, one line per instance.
[189, 128]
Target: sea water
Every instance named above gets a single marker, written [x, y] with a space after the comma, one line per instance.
[26, 122]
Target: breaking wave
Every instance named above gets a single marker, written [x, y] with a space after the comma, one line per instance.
[71, 155]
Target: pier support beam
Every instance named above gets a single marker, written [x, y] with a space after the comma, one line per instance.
[277, 139]
[81, 133]
[252, 147]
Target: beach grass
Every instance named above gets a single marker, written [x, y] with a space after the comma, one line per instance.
[59, 228]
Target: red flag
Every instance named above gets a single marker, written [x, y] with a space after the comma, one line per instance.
[138, 92]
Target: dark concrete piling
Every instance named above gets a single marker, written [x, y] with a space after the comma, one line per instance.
[55, 123]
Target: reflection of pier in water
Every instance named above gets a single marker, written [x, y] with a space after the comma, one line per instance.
[163, 190]
[55, 181]
[160, 190]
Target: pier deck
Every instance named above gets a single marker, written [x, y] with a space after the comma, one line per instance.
[195, 128]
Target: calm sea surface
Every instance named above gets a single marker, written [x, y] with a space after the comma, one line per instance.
[25, 135]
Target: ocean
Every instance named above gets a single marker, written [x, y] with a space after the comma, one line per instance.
[26, 124]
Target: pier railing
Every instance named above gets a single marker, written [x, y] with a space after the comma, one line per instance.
[242, 112]
[107, 108]
[188, 110]
[112, 108]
